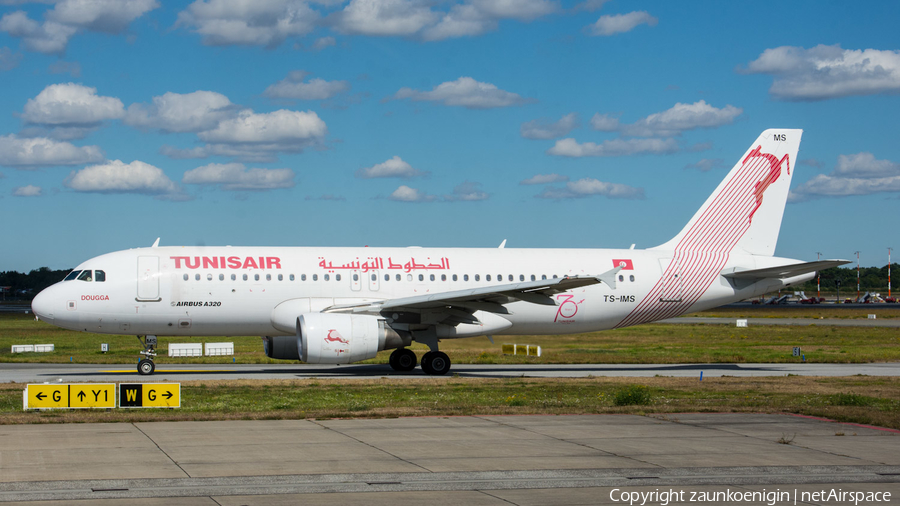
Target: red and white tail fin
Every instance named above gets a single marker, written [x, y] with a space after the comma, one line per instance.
[744, 213]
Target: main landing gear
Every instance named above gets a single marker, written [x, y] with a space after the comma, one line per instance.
[145, 365]
[434, 363]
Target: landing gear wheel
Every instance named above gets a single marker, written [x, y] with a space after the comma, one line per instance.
[436, 363]
[146, 367]
[403, 359]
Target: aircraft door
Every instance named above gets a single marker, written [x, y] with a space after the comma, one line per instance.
[672, 285]
[148, 279]
[355, 282]
[374, 283]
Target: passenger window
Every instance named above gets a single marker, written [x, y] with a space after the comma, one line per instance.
[398, 277]
[245, 277]
[256, 277]
[409, 277]
[268, 277]
[387, 277]
[85, 276]
[465, 277]
[209, 277]
[337, 277]
[356, 277]
[72, 275]
[554, 276]
[234, 277]
[280, 277]
[511, 277]
[221, 277]
[292, 277]
[454, 277]
[478, 277]
[621, 277]
[533, 277]
[631, 278]
[303, 277]
[197, 277]
[374, 277]
[421, 277]
[431, 277]
[486, 278]
[315, 277]
[99, 276]
[185, 277]
[326, 277]
[543, 276]
[443, 277]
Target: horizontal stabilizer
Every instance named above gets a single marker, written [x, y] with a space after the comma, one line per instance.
[782, 271]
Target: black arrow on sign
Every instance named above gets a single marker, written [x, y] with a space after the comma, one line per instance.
[81, 396]
[167, 395]
[40, 396]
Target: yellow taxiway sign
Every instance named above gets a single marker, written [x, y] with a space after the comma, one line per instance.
[70, 396]
[150, 395]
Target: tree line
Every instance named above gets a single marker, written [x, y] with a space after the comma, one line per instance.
[21, 286]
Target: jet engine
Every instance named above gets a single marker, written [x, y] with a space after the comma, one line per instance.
[327, 338]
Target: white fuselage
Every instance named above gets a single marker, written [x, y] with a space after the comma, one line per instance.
[228, 291]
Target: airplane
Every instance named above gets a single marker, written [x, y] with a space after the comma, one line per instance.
[344, 305]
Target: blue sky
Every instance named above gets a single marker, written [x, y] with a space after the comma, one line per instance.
[435, 123]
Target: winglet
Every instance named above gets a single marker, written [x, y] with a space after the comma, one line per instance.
[155, 243]
[609, 277]
[503, 244]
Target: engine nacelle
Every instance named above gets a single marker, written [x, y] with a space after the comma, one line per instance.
[282, 347]
[326, 338]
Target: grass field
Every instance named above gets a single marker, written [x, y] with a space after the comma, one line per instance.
[857, 399]
[652, 343]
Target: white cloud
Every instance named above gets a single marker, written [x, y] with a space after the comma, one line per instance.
[467, 192]
[37, 152]
[544, 179]
[394, 167]
[858, 174]
[109, 16]
[27, 191]
[464, 92]
[118, 177]
[315, 89]
[277, 130]
[588, 186]
[544, 129]
[235, 176]
[176, 112]
[249, 23]
[71, 105]
[604, 123]
[706, 164]
[671, 122]
[621, 23]
[323, 42]
[384, 17]
[406, 194]
[68, 17]
[8, 59]
[825, 72]
[479, 16]
[615, 147]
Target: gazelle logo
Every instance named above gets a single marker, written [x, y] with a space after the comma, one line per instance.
[335, 337]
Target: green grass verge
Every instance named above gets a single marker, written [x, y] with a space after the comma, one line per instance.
[652, 343]
[858, 399]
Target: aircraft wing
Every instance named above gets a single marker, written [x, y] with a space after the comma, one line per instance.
[782, 271]
[490, 298]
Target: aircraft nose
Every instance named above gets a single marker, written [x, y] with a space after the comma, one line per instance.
[42, 305]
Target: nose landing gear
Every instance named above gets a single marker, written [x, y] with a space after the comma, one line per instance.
[145, 365]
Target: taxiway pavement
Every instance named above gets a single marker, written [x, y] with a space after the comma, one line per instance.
[40, 373]
[479, 460]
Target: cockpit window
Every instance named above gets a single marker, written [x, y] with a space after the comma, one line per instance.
[99, 276]
[72, 275]
[85, 276]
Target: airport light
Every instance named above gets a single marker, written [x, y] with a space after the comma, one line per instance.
[819, 277]
[857, 276]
